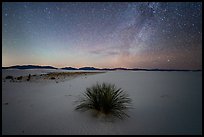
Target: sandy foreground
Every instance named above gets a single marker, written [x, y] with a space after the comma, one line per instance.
[163, 103]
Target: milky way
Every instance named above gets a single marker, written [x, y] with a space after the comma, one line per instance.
[132, 35]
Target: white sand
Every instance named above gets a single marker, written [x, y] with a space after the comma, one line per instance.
[164, 103]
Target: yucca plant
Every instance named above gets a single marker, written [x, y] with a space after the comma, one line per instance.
[105, 98]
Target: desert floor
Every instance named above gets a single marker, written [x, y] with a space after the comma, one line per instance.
[162, 103]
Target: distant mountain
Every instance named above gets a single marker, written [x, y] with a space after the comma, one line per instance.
[29, 67]
[83, 68]
[69, 68]
[121, 69]
[90, 68]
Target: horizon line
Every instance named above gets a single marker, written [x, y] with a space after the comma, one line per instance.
[101, 67]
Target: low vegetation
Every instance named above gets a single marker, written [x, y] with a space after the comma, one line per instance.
[29, 77]
[51, 76]
[9, 77]
[19, 78]
[106, 99]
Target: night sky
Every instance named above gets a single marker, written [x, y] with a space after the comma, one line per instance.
[131, 35]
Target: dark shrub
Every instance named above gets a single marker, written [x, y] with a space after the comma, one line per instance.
[105, 98]
[52, 78]
[19, 78]
[29, 76]
[9, 77]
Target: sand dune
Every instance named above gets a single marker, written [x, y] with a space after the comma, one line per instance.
[163, 103]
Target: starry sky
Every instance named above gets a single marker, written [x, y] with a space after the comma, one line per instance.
[105, 35]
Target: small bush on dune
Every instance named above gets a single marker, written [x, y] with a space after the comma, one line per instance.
[9, 77]
[52, 78]
[29, 77]
[19, 78]
[105, 98]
